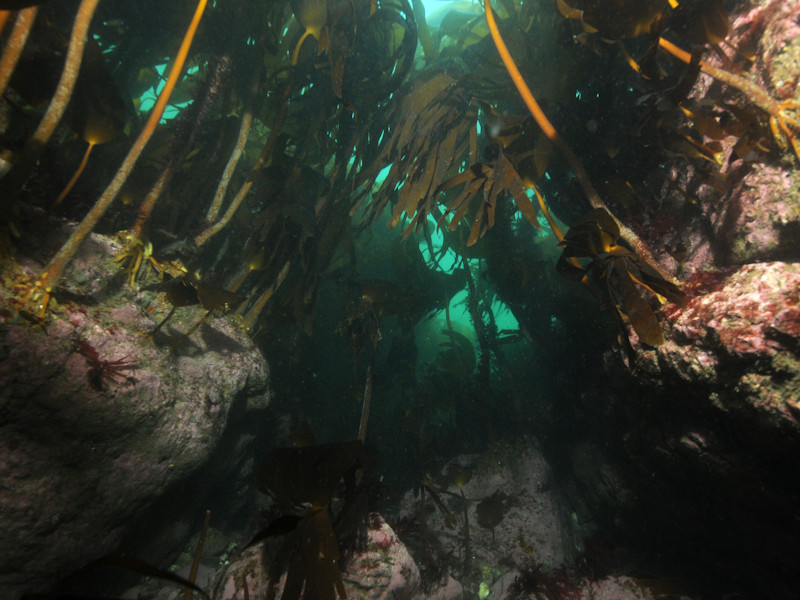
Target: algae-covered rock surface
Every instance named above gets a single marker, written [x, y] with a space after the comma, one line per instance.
[98, 421]
[711, 428]
[382, 570]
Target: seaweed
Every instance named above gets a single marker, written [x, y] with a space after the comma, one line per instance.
[614, 272]
[303, 482]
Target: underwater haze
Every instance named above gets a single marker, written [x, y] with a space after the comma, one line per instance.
[344, 299]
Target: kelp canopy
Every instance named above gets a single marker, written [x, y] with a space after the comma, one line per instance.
[283, 130]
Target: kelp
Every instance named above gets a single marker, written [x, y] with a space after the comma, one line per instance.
[182, 291]
[308, 477]
[700, 22]
[124, 563]
[616, 273]
[615, 19]
[486, 182]
[451, 138]
[19, 4]
[491, 511]
[433, 126]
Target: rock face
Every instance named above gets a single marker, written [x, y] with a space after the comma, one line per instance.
[705, 429]
[715, 425]
[516, 484]
[529, 552]
[746, 208]
[383, 571]
[85, 449]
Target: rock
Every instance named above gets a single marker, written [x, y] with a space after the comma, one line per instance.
[747, 208]
[383, 571]
[712, 430]
[86, 450]
[529, 522]
[741, 341]
[616, 588]
[529, 586]
[448, 589]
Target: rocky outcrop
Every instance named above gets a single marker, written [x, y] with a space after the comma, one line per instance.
[709, 425]
[511, 507]
[383, 571]
[704, 431]
[98, 422]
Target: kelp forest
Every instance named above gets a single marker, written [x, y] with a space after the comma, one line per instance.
[445, 225]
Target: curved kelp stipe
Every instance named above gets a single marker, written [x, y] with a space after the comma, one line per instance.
[124, 563]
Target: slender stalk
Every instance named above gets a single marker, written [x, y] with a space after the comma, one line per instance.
[55, 269]
[467, 549]
[78, 172]
[15, 44]
[550, 132]
[758, 95]
[198, 114]
[238, 148]
[215, 228]
[249, 320]
[14, 181]
[198, 553]
[69, 75]
[362, 427]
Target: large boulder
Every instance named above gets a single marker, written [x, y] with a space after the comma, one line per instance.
[510, 504]
[704, 430]
[711, 428]
[99, 422]
[384, 570]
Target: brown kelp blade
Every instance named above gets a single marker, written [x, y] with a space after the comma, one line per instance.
[280, 526]
[615, 271]
[647, 276]
[615, 20]
[312, 568]
[595, 234]
[178, 291]
[214, 298]
[490, 511]
[628, 300]
[125, 563]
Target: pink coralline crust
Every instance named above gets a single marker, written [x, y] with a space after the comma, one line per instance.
[384, 571]
[751, 201]
[759, 214]
[787, 322]
[741, 317]
[382, 540]
[779, 21]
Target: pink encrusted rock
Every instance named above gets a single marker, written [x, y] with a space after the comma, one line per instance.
[760, 216]
[447, 589]
[747, 209]
[615, 588]
[739, 319]
[383, 571]
[742, 339]
[512, 586]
